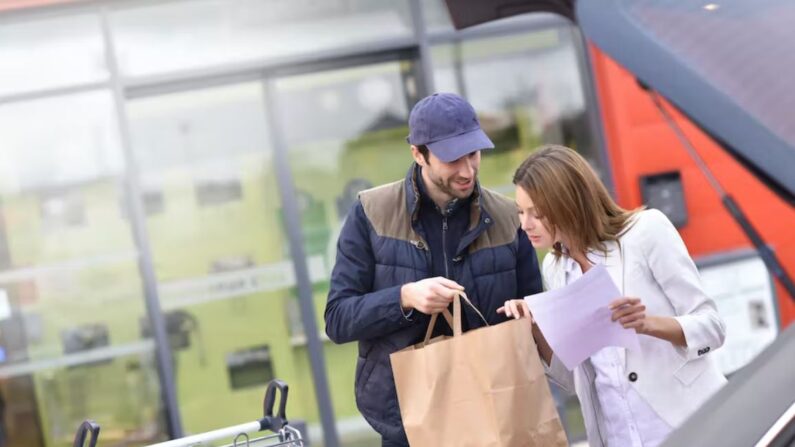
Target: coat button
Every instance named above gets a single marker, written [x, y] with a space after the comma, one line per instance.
[487, 220]
[458, 259]
[421, 245]
[633, 377]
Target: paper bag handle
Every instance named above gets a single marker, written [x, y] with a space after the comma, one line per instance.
[453, 320]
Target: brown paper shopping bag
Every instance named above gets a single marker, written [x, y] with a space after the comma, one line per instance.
[485, 388]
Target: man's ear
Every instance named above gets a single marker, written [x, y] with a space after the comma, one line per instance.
[417, 155]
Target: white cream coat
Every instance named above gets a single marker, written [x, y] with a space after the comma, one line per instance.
[651, 262]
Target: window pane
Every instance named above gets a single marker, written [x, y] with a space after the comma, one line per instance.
[527, 90]
[46, 144]
[189, 35]
[221, 254]
[51, 53]
[357, 140]
[71, 299]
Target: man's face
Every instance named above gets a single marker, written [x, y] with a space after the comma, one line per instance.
[454, 180]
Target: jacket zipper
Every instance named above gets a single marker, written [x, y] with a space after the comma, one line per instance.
[444, 247]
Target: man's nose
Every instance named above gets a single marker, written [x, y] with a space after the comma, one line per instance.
[466, 168]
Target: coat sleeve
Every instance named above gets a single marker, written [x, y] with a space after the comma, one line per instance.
[676, 273]
[558, 373]
[353, 310]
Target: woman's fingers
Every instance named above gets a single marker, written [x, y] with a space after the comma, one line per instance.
[627, 310]
[632, 318]
[519, 309]
[637, 325]
[525, 309]
[623, 301]
[514, 309]
[527, 312]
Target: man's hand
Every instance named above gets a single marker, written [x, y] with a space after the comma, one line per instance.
[429, 296]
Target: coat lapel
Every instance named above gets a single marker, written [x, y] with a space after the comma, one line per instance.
[614, 264]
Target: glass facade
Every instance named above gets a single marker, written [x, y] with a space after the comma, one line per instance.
[220, 145]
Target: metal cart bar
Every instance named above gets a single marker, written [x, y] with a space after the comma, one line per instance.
[277, 423]
[283, 434]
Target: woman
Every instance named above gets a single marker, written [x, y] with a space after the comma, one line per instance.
[628, 398]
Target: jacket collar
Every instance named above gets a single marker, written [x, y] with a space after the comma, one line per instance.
[611, 259]
[414, 194]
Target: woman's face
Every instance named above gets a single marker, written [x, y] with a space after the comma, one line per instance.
[533, 222]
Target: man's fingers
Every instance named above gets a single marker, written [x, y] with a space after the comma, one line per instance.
[431, 308]
[443, 291]
[448, 283]
[439, 300]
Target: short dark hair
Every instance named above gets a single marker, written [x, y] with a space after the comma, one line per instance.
[424, 151]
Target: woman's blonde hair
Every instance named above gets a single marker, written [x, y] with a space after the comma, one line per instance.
[566, 191]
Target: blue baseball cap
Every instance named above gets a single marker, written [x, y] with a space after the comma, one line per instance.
[447, 124]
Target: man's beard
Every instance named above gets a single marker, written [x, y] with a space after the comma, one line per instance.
[447, 188]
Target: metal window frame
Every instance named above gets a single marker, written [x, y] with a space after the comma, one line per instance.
[135, 206]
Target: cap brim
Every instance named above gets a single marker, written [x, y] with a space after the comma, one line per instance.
[453, 148]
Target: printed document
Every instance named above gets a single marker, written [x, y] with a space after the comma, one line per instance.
[575, 319]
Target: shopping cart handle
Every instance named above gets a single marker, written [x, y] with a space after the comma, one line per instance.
[88, 426]
[269, 421]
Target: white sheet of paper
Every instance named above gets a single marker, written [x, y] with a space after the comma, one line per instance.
[575, 319]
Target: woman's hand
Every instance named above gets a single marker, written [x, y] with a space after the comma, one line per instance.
[631, 313]
[519, 309]
[516, 309]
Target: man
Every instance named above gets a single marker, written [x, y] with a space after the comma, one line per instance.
[408, 247]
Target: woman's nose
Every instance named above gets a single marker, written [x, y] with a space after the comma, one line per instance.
[526, 222]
